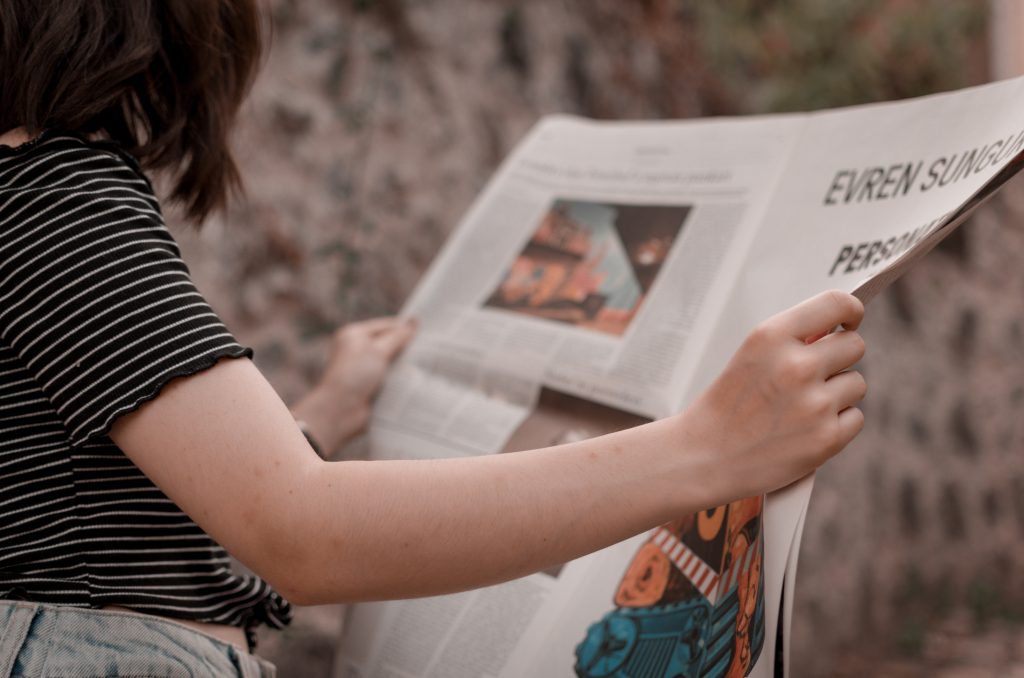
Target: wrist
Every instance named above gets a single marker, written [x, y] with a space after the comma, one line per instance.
[307, 431]
[674, 466]
[704, 475]
[329, 419]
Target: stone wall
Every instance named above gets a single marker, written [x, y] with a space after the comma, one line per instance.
[375, 123]
[923, 515]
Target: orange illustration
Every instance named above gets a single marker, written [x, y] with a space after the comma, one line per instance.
[646, 579]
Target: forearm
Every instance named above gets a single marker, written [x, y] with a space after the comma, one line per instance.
[224, 448]
[409, 528]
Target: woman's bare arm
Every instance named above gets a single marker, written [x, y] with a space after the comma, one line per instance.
[225, 448]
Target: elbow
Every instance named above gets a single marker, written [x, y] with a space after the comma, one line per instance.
[289, 558]
[298, 590]
[308, 580]
[292, 574]
[296, 569]
[323, 576]
[307, 557]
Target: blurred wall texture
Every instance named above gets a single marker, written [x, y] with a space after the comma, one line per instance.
[375, 122]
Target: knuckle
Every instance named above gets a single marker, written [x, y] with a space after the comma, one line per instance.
[862, 384]
[859, 345]
[858, 306]
[849, 305]
[828, 439]
[798, 368]
[762, 334]
[858, 418]
[817, 404]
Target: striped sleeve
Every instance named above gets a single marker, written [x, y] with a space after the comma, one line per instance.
[94, 295]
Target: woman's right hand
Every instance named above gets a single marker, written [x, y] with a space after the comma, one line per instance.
[786, 401]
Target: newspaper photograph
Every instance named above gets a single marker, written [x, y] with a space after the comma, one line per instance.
[602, 280]
[590, 264]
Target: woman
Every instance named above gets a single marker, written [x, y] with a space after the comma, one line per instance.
[138, 441]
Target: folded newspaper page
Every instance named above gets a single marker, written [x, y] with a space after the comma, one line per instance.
[603, 279]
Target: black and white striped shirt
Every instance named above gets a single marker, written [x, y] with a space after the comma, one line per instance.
[97, 313]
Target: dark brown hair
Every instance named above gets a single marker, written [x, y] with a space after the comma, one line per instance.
[163, 78]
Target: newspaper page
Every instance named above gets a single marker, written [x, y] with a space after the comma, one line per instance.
[603, 279]
[559, 309]
[867, 191]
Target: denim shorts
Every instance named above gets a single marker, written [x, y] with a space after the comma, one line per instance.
[52, 641]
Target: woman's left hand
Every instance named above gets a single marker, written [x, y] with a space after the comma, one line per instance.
[338, 407]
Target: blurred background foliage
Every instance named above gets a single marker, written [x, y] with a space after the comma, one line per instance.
[806, 54]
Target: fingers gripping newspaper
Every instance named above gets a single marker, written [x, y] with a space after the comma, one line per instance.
[603, 279]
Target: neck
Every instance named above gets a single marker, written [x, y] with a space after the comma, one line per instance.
[14, 137]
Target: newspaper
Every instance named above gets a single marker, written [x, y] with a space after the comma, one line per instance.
[603, 279]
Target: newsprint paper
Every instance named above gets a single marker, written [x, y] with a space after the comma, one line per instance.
[603, 279]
